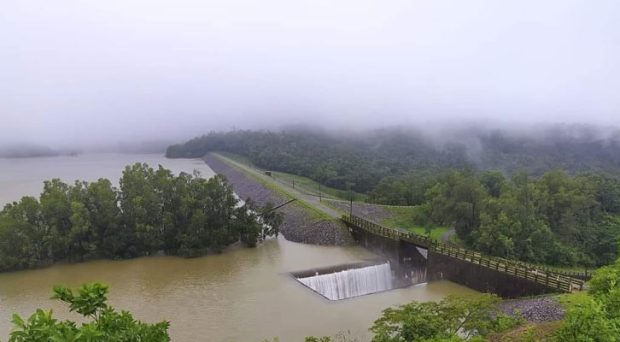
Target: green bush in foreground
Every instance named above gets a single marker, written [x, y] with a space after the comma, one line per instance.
[106, 323]
[597, 317]
[452, 319]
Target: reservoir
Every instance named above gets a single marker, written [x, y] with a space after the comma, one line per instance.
[240, 295]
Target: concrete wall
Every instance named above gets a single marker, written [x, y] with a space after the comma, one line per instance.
[387, 248]
[481, 278]
[336, 268]
[405, 257]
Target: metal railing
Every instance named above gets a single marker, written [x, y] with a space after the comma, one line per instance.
[537, 274]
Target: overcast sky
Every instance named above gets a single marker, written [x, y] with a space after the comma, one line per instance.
[96, 71]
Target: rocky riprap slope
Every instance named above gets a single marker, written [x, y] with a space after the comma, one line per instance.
[542, 309]
[298, 225]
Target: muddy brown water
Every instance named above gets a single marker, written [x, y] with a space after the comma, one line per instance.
[239, 295]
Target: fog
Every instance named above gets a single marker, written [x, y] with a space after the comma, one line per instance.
[100, 73]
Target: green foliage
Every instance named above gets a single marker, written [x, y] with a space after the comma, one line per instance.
[395, 166]
[106, 323]
[408, 218]
[339, 162]
[318, 339]
[153, 211]
[309, 186]
[340, 337]
[452, 319]
[596, 317]
[555, 219]
[588, 322]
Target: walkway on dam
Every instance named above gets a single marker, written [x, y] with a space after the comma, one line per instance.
[513, 268]
[312, 200]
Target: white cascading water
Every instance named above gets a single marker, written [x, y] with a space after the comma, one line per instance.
[351, 283]
[418, 276]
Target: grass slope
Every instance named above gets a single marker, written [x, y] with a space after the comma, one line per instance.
[314, 213]
[402, 217]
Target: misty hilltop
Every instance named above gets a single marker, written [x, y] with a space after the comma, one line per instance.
[362, 159]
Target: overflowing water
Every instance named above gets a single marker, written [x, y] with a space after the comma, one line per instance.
[351, 283]
[417, 276]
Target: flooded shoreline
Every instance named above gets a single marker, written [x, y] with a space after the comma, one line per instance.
[243, 294]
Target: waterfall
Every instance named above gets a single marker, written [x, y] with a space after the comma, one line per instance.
[418, 276]
[351, 283]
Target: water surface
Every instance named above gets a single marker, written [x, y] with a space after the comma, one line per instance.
[24, 176]
[240, 295]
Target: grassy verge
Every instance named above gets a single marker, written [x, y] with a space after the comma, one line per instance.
[402, 217]
[314, 213]
[311, 187]
[236, 158]
[543, 331]
[569, 300]
[301, 183]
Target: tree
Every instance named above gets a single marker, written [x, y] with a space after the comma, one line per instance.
[141, 206]
[494, 182]
[154, 211]
[105, 218]
[106, 324]
[588, 323]
[56, 210]
[82, 237]
[452, 319]
[25, 237]
[457, 199]
[555, 219]
[597, 318]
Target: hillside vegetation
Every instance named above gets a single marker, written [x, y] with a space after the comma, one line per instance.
[371, 161]
[552, 198]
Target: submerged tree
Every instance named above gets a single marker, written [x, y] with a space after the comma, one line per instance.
[152, 212]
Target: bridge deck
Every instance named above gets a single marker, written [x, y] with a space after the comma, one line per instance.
[537, 274]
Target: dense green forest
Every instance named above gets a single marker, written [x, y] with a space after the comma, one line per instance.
[152, 211]
[374, 160]
[337, 161]
[555, 219]
[527, 209]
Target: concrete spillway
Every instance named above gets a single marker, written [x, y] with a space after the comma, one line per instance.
[352, 282]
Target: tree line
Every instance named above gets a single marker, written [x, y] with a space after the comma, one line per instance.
[554, 219]
[343, 162]
[152, 211]
[526, 210]
[377, 162]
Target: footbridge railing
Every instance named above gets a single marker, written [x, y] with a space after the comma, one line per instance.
[537, 274]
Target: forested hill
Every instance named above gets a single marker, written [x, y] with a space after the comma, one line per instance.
[362, 161]
[554, 217]
[338, 161]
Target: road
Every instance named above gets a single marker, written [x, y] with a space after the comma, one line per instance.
[289, 190]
